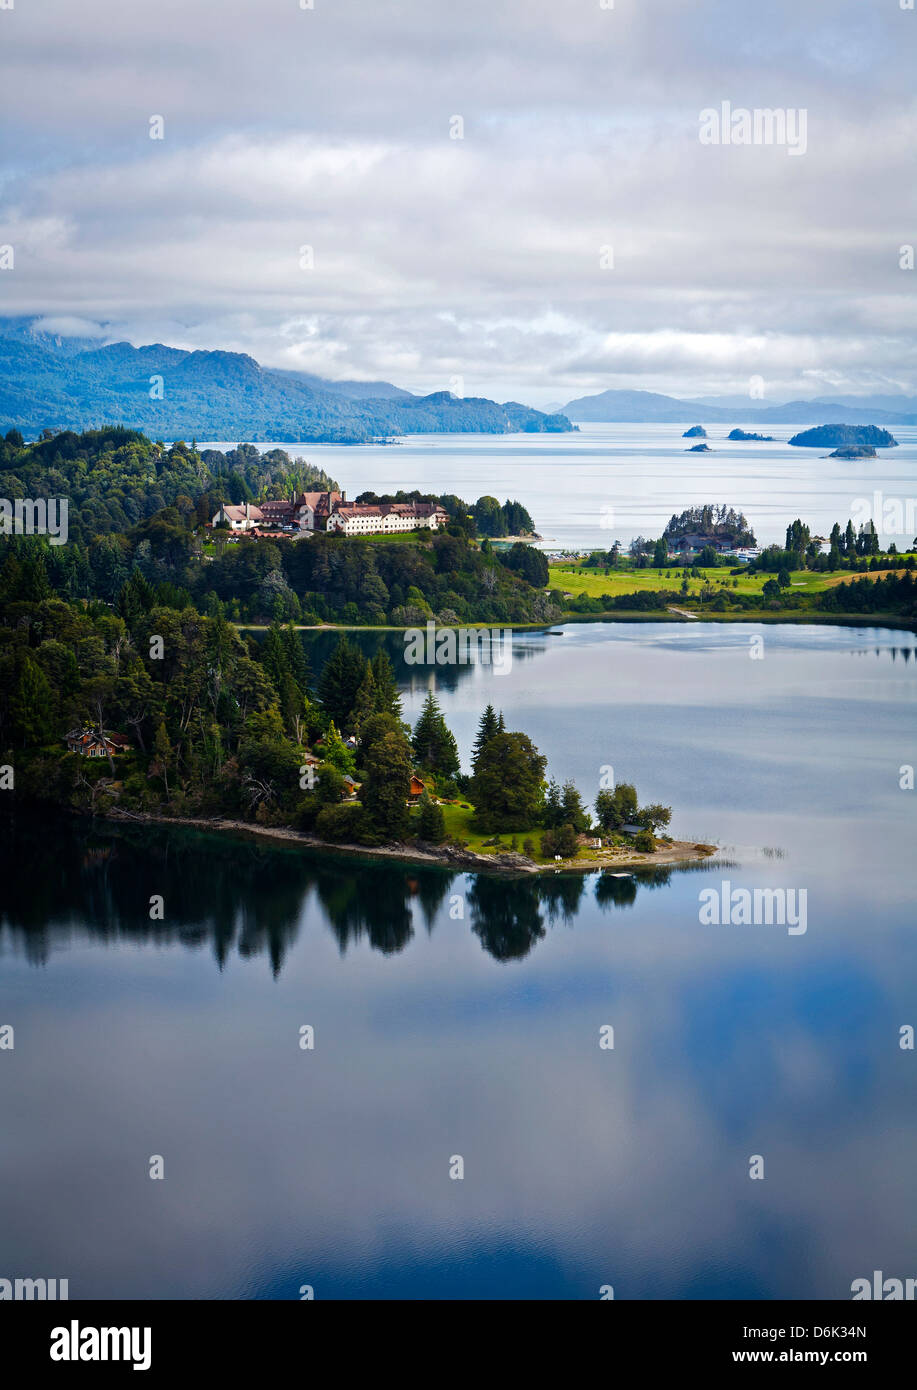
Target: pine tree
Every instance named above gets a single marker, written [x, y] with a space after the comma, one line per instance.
[388, 701]
[293, 709]
[431, 824]
[34, 586]
[129, 606]
[573, 812]
[434, 745]
[144, 590]
[162, 752]
[387, 760]
[215, 748]
[508, 786]
[274, 656]
[297, 660]
[341, 678]
[364, 704]
[488, 727]
[32, 705]
[552, 816]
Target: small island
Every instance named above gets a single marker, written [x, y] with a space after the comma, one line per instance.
[747, 438]
[854, 451]
[845, 437]
[699, 449]
[695, 432]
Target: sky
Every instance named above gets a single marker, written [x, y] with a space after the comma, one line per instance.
[509, 198]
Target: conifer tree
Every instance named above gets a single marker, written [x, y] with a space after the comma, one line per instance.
[431, 825]
[488, 726]
[364, 704]
[434, 744]
[553, 815]
[274, 656]
[162, 752]
[388, 701]
[32, 705]
[341, 678]
[573, 811]
[297, 660]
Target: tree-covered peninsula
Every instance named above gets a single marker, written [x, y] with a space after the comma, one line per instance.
[164, 713]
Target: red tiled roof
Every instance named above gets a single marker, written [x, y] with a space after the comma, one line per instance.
[239, 513]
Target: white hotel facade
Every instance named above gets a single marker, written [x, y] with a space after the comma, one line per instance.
[385, 518]
[330, 511]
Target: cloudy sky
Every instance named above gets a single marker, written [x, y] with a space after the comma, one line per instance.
[474, 263]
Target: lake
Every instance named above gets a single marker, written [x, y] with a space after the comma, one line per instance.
[460, 1016]
[614, 482]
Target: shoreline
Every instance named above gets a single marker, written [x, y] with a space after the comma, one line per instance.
[791, 615]
[441, 856]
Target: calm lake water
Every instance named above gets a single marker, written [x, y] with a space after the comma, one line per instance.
[614, 482]
[458, 1014]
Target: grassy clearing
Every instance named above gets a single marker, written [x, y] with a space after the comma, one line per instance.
[424, 537]
[573, 579]
[458, 826]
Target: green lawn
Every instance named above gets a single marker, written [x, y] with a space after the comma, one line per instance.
[397, 537]
[573, 579]
[458, 827]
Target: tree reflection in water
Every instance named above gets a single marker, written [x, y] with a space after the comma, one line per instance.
[92, 880]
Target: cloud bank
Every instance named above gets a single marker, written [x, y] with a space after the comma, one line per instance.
[309, 201]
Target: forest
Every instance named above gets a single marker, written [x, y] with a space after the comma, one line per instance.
[138, 513]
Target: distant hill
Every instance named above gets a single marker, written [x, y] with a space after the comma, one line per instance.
[906, 405]
[77, 384]
[648, 407]
[639, 407]
[895, 405]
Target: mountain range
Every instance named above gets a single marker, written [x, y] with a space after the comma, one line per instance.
[647, 407]
[48, 381]
[60, 382]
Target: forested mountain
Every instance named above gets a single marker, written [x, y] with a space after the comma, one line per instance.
[173, 394]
